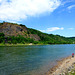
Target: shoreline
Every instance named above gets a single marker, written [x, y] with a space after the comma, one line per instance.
[17, 44]
[62, 66]
[1, 44]
[21, 44]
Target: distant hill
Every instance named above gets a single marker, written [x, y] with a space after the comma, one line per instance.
[14, 33]
[12, 29]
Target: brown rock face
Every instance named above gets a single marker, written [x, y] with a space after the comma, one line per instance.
[11, 29]
[35, 37]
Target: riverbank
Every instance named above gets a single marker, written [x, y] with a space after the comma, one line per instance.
[18, 44]
[13, 44]
[63, 66]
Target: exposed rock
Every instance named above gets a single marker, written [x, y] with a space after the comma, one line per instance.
[12, 29]
[35, 37]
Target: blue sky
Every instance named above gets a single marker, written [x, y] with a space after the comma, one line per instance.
[48, 16]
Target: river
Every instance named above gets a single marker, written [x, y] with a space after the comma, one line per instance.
[32, 60]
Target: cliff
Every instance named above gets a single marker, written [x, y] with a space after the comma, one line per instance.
[12, 29]
[18, 33]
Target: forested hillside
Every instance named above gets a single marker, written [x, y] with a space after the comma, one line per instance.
[13, 33]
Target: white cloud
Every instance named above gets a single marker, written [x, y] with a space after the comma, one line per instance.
[42, 30]
[52, 29]
[70, 7]
[16, 10]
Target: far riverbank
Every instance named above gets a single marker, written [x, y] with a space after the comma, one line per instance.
[19, 44]
[1, 44]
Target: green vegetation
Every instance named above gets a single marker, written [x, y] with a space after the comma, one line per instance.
[2, 38]
[44, 39]
[52, 39]
[14, 39]
[24, 35]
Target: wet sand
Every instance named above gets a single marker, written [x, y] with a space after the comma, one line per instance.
[62, 66]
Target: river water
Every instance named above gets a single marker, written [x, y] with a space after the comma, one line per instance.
[32, 60]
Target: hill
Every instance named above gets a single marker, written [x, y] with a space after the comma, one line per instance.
[14, 33]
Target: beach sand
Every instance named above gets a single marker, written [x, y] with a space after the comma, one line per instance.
[62, 66]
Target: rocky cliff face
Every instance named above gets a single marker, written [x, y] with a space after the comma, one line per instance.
[35, 37]
[11, 29]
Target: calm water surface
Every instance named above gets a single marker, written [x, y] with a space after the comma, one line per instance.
[32, 60]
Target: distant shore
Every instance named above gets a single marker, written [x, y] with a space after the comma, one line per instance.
[20, 44]
[14, 44]
[62, 67]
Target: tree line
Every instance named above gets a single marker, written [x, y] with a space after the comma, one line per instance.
[14, 39]
[44, 39]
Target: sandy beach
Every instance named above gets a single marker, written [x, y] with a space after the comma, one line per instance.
[62, 67]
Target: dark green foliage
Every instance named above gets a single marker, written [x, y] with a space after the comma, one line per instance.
[19, 39]
[2, 35]
[14, 40]
[52, 39]
[22, 25]
[1, 23]
[36, 42]
[44, 38]
[33, 31]
[2, 38]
